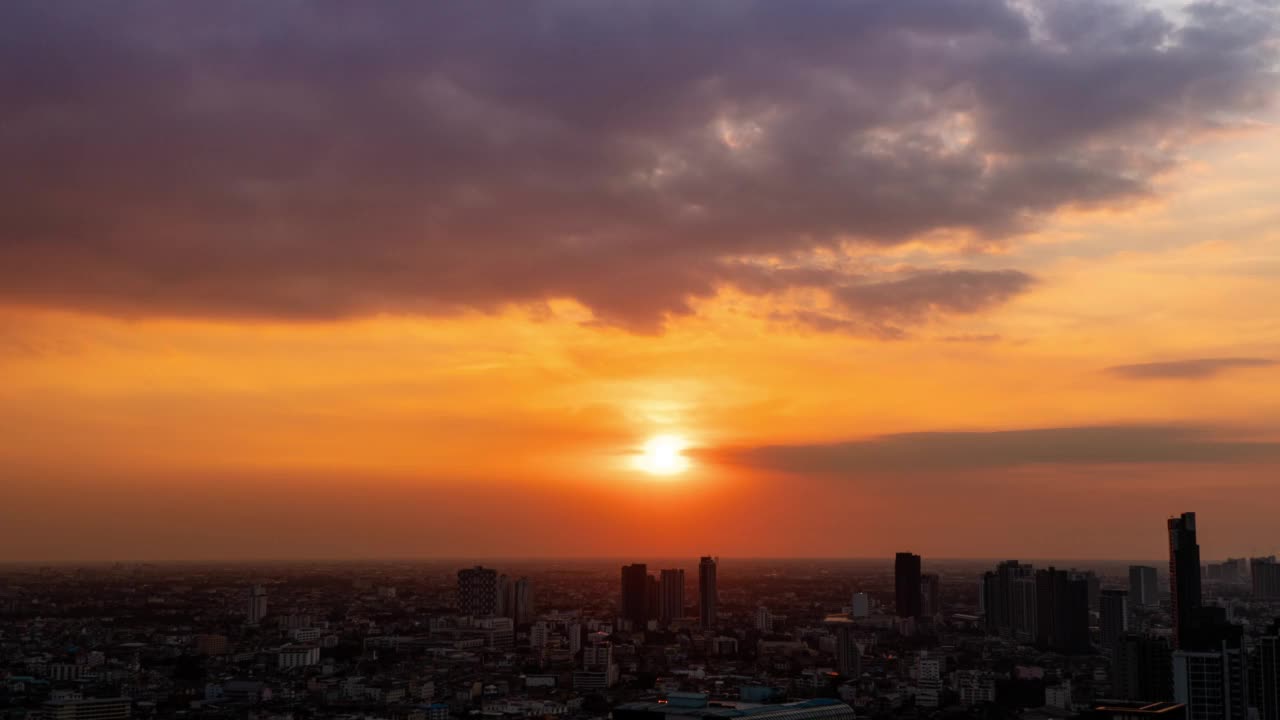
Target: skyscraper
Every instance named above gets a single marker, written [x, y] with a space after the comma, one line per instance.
[257, 605]
[652, 598]
[930, 594]
[1141, 668]
[635, 595]
[1264, 683]
[848, 656]
[1114, 616]
[1184, 574]
[906, 580]
[478, 591]
[1062, 611]
[1143, 588]
[1210, 672]
[1009, 600]
[1265, 574]
[672, 595]
[519, 604]
[708, 595]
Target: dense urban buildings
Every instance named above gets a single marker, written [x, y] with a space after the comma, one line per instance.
[789, 639]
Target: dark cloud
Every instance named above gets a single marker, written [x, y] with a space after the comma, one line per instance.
[1197, 369]
[956, 451]
[315, 160]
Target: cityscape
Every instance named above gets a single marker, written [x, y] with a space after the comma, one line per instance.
[579, 639]
[639, 360]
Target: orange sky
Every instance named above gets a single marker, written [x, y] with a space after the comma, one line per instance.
[149, 414]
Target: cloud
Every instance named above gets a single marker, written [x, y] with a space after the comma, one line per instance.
[315, 160]
[958, 451]
[1197, 369]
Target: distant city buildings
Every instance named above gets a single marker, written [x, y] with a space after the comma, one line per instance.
[1144, 589]
[906, 574]
[708, 592]
[634, 597]
[1113, 617]
[256, 605]
[478, 591]
[1265, 578]
[1184, 576]
[671, 592]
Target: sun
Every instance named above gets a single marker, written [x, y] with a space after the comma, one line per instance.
[663, 455]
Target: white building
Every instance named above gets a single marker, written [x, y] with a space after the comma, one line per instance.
[928, 680]
[291, 656]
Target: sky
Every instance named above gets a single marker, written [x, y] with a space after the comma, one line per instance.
[975, 278]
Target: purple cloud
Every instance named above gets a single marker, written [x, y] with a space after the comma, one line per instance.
[323, 160]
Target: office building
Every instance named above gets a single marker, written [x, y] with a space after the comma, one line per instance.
[1264, 674]
[671, 595]
[906, 580]
[708, 594]
[634, 601]
[930, 594]
[598, 670]
[478, 591]
[1144, 590]
[1114, 616]
[928, 680]
[1210, 669]
[1062, 611]
[861, 605]
[848, 655]
[1184, 576]
[1009, 599]
[88, 709]
[519, 601]
[652, 597]
[257, 605]
[1142, 668]
[1265, 577]
[764, 620]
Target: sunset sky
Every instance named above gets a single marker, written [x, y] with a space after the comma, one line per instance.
[970, 278]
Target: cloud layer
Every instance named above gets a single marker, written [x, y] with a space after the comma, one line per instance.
[1196, 369]
[320, 160]
[958, 451]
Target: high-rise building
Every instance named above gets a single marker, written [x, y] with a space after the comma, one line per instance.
[672, 595]
[1062, 611]
[928, 680]
[652, 598]
[634, 605]
[1141, 668]
[1009, 599]
[519, 601]
[906, 580]
[598, 669]
[1265, 573]
[256, 605]
[1184, 575]
[848, 655]
[861, 605]
[478, 591]
[1114, 616]
[764, 620]
[930, 597]
[1210, 671]
[708, 594]
[1264, 674]
[1143, 588]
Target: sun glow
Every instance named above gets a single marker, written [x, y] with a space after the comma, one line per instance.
[663, 455]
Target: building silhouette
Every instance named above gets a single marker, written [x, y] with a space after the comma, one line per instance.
[1144, 590]
[1142, 668]
[256, 605]
[930, 594]
[708, 594]
[1264, 574]
[1114, 616]
[906, 578]
[671, 595]
[1062, 611]
[478, 591]
[1184, 575]
[634, 605]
